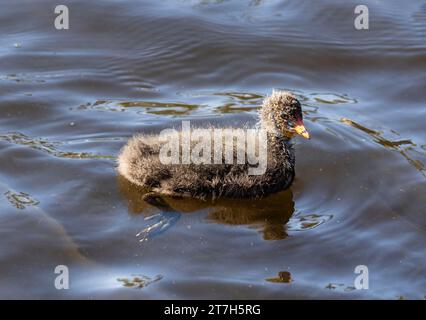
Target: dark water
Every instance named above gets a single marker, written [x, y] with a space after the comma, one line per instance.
[70, 99]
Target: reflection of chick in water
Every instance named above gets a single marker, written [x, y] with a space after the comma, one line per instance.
[269, 214]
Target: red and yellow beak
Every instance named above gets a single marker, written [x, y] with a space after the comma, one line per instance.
[301, 130]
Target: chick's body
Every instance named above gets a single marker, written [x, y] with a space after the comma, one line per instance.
[140, 161]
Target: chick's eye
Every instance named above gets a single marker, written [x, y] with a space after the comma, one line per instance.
[298, 118]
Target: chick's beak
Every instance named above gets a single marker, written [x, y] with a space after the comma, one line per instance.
[301, 130]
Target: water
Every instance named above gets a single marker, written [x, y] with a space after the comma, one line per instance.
[69, 100]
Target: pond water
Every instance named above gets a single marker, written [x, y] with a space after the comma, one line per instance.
[70, 99]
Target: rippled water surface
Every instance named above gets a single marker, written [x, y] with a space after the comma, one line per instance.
[70, 99]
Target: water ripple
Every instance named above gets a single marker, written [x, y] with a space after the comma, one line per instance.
[157, 108]
[403, 147]
[307, 222]
[48, 147]
[20, 200]
[139, 281]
